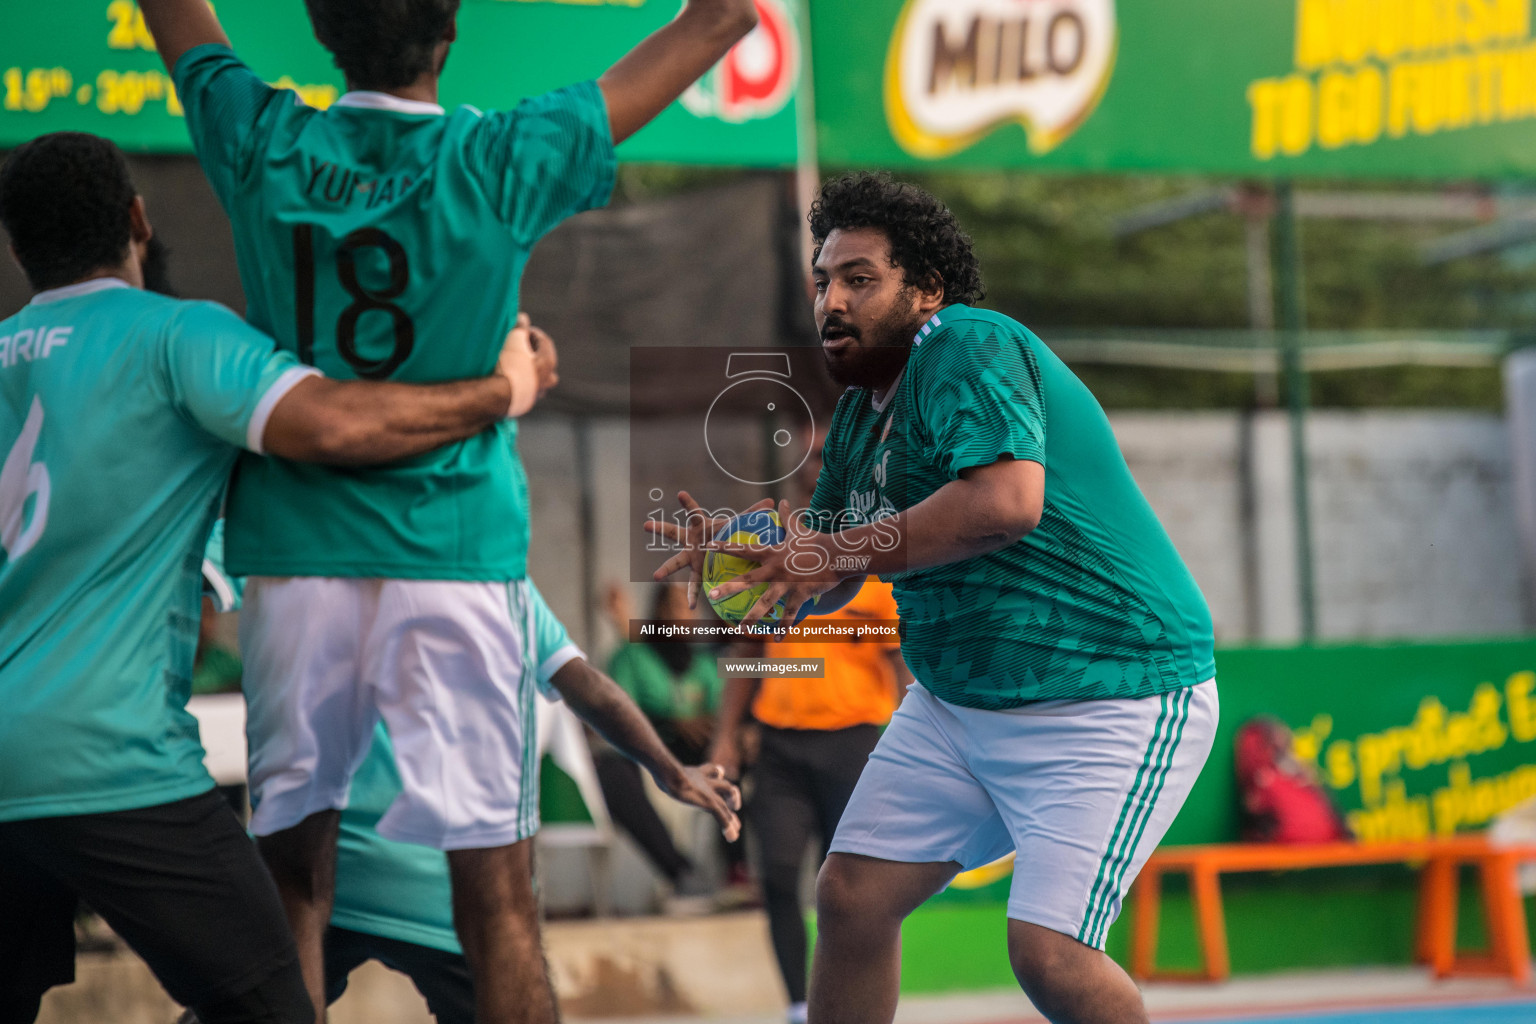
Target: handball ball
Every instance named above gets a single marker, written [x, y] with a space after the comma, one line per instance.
[758, 527]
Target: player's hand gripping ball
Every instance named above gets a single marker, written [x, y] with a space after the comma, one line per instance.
[761, 526]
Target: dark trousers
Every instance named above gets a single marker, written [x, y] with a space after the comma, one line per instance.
[442, 978]
[804, 778]
[631, 809]
[180, 882]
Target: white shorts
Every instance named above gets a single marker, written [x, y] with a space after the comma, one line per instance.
[448, 666]
[1082, 790]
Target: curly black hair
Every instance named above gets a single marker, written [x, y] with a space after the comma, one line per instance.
[925, 238]
[65, 200]
[382, 44]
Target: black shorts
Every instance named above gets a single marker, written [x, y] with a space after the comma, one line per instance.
[181, 883]
[442, 978]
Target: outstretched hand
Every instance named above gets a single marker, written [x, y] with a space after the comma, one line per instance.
[706, 787]
[698, 530]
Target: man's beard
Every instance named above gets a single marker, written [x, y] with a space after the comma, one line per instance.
[880, 353]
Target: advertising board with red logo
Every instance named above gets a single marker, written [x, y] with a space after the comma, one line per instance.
[90, 65]
[1368, 88]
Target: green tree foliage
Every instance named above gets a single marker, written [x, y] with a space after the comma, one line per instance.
[1049, 255]
[1050, 258]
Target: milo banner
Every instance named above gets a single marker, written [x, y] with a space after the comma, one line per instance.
[90, 65]
[1384, 88]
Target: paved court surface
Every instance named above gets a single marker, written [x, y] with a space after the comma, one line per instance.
[1522, 1011]
[1385, 996]
[1395, 996]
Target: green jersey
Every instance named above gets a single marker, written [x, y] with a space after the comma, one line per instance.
[121, 413]
[1093, 603]
[400, 890]
[664, 692]
[382, 238]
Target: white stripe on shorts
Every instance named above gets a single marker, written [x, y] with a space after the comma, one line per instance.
[1081, 790]
[1138, 808]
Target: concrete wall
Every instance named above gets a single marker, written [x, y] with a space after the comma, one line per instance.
[1416, 531]
[1413, 520]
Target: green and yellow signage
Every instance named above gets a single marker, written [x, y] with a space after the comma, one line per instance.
[1369, 88]
[90, 65]
[1411, 740]
[1380, 88]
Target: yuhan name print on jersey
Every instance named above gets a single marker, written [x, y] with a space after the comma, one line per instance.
[383, 238]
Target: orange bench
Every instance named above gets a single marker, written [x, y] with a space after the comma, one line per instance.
[1508, 950]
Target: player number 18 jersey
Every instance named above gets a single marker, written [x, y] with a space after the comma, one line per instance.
[385, 239]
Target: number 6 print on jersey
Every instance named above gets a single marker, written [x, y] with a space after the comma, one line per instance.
[20, 478]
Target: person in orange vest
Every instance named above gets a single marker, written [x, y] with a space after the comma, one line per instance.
[816, 736]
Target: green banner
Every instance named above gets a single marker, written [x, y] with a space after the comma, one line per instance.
[1379, 88]
[90, 65]
[1412, 740]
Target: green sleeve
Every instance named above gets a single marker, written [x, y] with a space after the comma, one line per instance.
[705, 670]
[553, 648]
[549, 158]
[976, 397]
[644, 678]
[224, 101]
[224, 375]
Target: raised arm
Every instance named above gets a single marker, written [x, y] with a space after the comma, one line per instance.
[657, 71]
[180, 25]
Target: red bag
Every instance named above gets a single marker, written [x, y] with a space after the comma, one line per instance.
[1282, 800]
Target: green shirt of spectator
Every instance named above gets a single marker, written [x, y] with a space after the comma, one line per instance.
[677, 684]
[665, 684]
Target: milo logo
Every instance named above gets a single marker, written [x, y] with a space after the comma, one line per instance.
[957, 69]
[757, 77]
